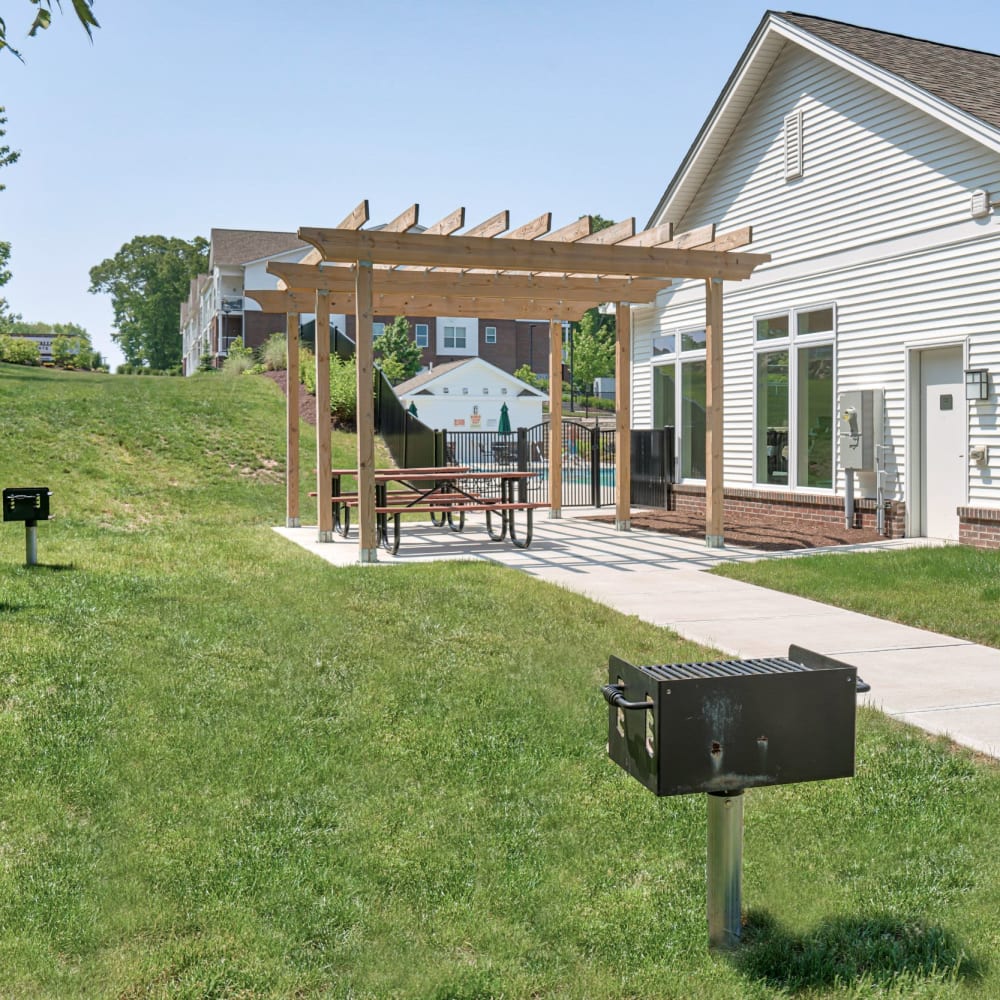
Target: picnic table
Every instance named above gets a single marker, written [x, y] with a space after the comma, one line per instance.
[447, 494]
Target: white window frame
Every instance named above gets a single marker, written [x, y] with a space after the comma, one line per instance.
[678, 358]
[377, 330]
[471, 327]
[793, 343]
[490, 335]
[421, 334]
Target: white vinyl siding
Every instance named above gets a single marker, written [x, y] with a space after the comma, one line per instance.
[877, 168]
[940, 295]
[879, 223]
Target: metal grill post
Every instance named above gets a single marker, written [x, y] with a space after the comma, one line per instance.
[725, 868]
[31, 543]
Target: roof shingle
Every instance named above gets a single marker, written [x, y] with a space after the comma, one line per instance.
[965, 78]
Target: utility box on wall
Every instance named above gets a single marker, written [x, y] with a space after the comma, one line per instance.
[862, 415]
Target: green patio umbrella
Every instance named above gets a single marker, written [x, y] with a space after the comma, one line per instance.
[504, 425]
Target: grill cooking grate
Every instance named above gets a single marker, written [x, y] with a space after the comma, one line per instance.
[724, 668]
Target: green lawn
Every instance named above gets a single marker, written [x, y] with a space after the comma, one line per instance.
[954, 589]
[228, 769]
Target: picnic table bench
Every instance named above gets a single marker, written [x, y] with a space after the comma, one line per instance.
[447, 494]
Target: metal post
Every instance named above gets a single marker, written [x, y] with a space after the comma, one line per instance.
[848, 498]
[725, 868]
[31, 543]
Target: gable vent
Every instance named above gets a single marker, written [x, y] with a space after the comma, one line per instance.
[793, 145]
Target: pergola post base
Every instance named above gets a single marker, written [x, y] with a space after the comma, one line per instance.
[367, 557]
[715, 541]
[623, 525]
[293, 522]
[324, 536]
[555, 514]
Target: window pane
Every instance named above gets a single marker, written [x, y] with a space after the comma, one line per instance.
[664, 344]
[693, 340]
[459, 336]
[816, 321]
[693, 390]
[664, 396]
[815, 416]
[772, 328]
[449, 336]
[772, 417]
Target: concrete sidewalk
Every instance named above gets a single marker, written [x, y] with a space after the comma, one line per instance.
[942, 684]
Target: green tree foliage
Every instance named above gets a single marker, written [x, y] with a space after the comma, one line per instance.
[18, 351]
[525, 374]
[399, 356]
[8, 157]
[84, 10]
[593, 351]
[147, 280]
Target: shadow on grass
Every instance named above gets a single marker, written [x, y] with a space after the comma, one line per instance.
[875, 950]
[51, 567]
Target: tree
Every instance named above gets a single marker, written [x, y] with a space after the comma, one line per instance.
[8, 157]
[399, 355]
[43, 18]
[147, 280]
[593, 351]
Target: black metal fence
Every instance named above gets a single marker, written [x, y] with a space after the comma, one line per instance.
[411, 443]
[588, 459]
[653, 467]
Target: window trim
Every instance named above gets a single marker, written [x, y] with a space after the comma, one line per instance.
[486, 335]
[417, 329]
[792, 344]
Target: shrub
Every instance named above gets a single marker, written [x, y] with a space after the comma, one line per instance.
[238, 361]
[205, 363]
[19, 351]
[274, 353]
[343, 390]
[307, 369]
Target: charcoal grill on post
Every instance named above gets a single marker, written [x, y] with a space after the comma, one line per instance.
[31, 505]
[725, 726]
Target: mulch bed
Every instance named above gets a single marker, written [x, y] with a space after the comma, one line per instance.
[307, 402]
[778, 534]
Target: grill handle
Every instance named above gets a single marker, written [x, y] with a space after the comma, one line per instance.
[614, 697]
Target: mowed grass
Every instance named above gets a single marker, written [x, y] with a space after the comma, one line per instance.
[228, 769]
[952, 589]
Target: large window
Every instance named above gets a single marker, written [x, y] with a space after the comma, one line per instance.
[794, 398]
[679, 393]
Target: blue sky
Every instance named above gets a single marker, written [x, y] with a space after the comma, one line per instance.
[185, 115]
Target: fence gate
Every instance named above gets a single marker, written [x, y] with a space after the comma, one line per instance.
[588, 459]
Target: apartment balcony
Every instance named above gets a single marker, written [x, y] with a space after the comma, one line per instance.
[231, 304]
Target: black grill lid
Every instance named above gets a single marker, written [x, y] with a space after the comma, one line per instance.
[724, 668]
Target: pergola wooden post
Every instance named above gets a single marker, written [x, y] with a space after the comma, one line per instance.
[714, 532]
[623, 415]
[292, 437]
[555, 419]
[531, 271]
[324, 490]
[364, 354]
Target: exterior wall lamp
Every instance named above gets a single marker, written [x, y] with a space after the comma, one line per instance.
[977, 383]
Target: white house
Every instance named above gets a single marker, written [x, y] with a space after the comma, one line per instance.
[864, 162]
[469, 396]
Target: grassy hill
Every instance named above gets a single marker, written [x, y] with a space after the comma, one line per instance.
[229, 769]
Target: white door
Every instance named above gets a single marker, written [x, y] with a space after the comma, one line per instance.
[943, 467]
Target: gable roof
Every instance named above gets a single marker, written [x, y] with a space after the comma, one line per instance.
[960, 87]
[965, 78]
[419, 381]
[240, 246]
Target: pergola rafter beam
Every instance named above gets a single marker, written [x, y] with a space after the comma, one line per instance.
[340, 278]
[451, 223]
[528, 255]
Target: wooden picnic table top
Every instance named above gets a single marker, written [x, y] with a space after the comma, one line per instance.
[429, 473]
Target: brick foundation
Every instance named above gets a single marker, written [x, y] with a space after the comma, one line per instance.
[979, 527]
[776, 505]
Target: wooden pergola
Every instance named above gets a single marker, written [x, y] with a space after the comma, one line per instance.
[489, 271]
